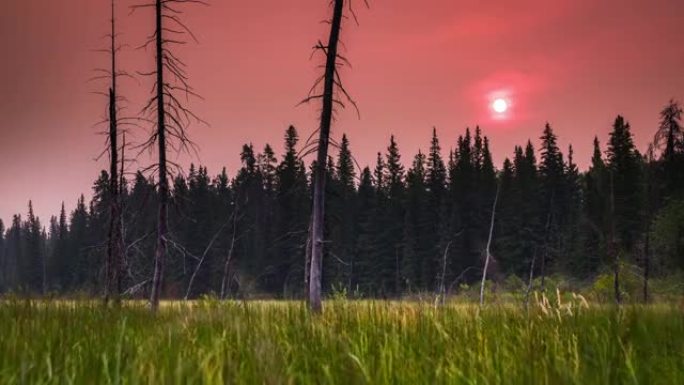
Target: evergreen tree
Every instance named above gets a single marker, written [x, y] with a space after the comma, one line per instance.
[391, 237]
[596, 210]
[671, 134]
[507, 244]
[139, 229]
[342, 213]
[14, 254]
[79, 247]
[379, 176]
[436, 180]
[293, 215]
[344, 169]
[572, 210]
[98, 232]
[32, 262]
[251, 198]
[624, 165]
[415, 249]
[58, 264]
[268, 165]
[394, 172]
[551, 178]
[529, 224]
[363, 276]
[463, 196]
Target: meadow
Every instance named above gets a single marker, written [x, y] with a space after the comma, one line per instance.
[352, 342]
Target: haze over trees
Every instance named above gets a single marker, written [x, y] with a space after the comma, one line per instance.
[390, 230]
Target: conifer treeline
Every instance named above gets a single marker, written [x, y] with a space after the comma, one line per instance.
[404, 226]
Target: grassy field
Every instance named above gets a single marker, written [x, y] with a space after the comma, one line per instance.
[353, 342]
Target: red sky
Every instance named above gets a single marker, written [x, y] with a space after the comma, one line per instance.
[417, 64]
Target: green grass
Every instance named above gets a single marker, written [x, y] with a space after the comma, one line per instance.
[208, 342]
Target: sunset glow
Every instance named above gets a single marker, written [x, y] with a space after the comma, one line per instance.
[449, 63]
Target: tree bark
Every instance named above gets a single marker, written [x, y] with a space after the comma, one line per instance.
[162, 219]
[322, 161]
[307, 261]
[114, 243]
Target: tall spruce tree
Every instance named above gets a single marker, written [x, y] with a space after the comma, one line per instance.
[366, 250]
[391, 237]
[551, 178]
[342, 227]
[670, 138]
[14, 254]
[59, 258]
[436, 179]
[415, 249]
[572, 211]
[293, 213]
[32, 263]
[79, 244]
[596, 211]
[624, 165]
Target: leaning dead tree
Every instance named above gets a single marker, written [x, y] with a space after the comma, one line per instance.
[489, 245]
[332, 85]
[169, 116]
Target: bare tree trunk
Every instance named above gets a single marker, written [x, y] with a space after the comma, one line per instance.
[162, 220]
[397, 272]
[203, 258]
[442, 279]
[322, 160]
[545, 254]
[124, 260]
[489, 245]
[114, 242]
[45, 272]
[613, 246]
[229, 258]
[647, 263]
[530, 279]
[307, 261]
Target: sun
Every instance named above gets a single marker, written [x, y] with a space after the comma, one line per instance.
[500, 106]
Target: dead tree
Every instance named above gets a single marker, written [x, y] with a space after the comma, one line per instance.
[489, 245]
[441, 292]
[226, 278]
[331, 82]
[232, 219]
[547, 232]
[115, 249]
[530, 279]
[651, 205]
[171, 118]
[615, 253]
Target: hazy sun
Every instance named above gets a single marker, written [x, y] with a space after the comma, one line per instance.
[500, 106]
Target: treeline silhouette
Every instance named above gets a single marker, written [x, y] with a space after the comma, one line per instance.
[404, 226]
